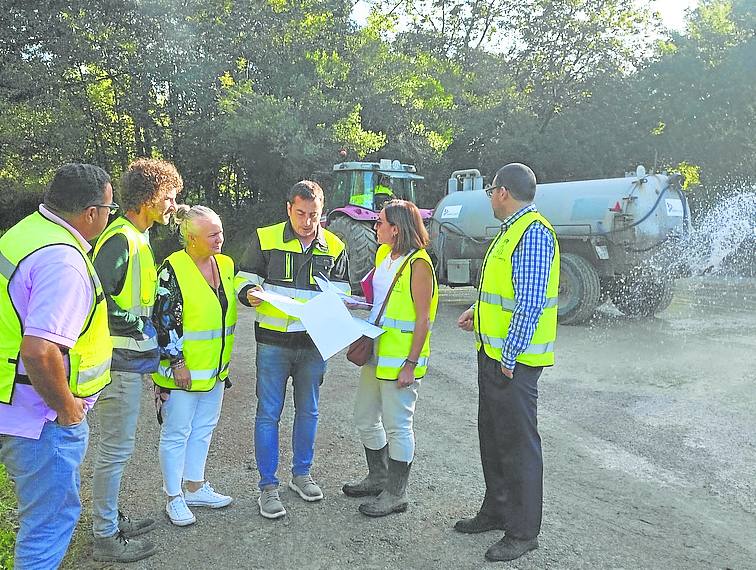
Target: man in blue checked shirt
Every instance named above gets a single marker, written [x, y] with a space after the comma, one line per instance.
[515, 322]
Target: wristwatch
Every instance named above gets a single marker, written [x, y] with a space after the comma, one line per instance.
[413, 363]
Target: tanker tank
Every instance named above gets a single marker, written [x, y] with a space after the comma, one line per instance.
[608, 231]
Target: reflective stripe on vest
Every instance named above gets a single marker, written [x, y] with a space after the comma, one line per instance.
[208, 335]
[197, 375]
[394, 345]
[89, 357]
[280, 324]
[244, 279]
[498, 342]
[404, 326]
[496, 298]
[392, 362]
[133, 344]
[90, 374]
[6, 267]
[509, 304]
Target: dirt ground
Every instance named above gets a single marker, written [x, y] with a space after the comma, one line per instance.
[649, 435]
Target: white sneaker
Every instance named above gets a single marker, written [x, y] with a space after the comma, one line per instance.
[206, 496]
[179, 512]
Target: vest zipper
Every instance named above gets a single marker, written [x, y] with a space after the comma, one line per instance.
[223, 318]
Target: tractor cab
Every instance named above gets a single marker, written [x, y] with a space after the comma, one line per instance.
[358, 192]
[369, 184]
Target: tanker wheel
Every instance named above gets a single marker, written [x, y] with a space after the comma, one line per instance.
[642, 293]
[579, 290]
[361, 245]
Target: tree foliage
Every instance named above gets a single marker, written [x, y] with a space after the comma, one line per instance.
[249, 96]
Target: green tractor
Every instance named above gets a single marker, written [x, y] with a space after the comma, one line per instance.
[358, 193]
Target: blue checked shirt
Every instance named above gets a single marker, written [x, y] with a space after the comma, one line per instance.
[531, 264]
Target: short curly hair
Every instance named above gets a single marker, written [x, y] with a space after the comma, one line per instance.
[146, 181]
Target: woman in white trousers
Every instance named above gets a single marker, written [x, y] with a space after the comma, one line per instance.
[195, 316]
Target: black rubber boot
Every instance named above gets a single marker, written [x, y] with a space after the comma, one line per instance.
[393, 499]
[372, 485]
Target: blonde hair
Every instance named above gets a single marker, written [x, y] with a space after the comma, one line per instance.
[187, 216]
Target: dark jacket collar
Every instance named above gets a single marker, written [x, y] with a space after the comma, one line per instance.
[320, 241]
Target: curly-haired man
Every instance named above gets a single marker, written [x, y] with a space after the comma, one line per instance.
[126, 266]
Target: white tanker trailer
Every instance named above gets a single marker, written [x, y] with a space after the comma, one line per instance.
[608, 232]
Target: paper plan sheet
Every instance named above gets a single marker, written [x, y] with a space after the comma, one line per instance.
[326, 285]
[328, 322]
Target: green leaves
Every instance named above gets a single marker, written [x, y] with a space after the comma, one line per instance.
[348, 133]
[248, 97]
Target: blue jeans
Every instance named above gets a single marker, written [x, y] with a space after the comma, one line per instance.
[117, 412]
[46, 473]
[275, 364]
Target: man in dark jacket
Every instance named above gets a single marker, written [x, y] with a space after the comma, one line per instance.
[285, 258]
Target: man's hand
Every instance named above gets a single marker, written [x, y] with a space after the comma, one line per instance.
[73, 414]
[251, 299]
[508, 372]
[182, 377]
[465, 320]
[45, 367]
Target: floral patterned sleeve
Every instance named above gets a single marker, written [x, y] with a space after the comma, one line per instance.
[168, 314]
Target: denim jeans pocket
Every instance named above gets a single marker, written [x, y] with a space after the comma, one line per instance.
[70, 426]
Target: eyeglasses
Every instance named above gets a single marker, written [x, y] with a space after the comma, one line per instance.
[113, 207]
[490, 190]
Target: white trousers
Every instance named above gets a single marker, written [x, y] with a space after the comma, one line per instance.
[384, 413]
[189, 419]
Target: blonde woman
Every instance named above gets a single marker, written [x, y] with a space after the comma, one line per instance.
[389, 383]
[195, 316]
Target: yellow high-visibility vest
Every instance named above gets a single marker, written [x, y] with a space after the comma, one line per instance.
[140, 283]
[271, 238]
[398, 320]
[208, 336]
[496, 298]
[90, 356]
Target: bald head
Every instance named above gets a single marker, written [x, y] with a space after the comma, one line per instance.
[518, 179]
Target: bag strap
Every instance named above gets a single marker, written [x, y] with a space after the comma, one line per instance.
[396, 278]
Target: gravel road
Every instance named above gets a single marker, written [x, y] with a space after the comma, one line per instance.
[649, 436]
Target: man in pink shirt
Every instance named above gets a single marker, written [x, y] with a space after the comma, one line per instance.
[47, 280]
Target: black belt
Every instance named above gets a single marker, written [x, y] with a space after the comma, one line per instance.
[22, 379]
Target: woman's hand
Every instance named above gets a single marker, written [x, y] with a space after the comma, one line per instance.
[406, 376]
[359, 304]
[182, 378]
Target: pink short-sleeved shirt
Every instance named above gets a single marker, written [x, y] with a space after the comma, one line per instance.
[52, 293]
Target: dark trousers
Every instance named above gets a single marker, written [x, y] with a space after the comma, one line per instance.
[510, 447]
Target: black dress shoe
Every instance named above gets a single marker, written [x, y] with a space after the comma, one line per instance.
[478, 523]
[509, 548]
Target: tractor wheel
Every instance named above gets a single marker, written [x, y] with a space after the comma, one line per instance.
[579, 290]
[642, 293]
[361, 245]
